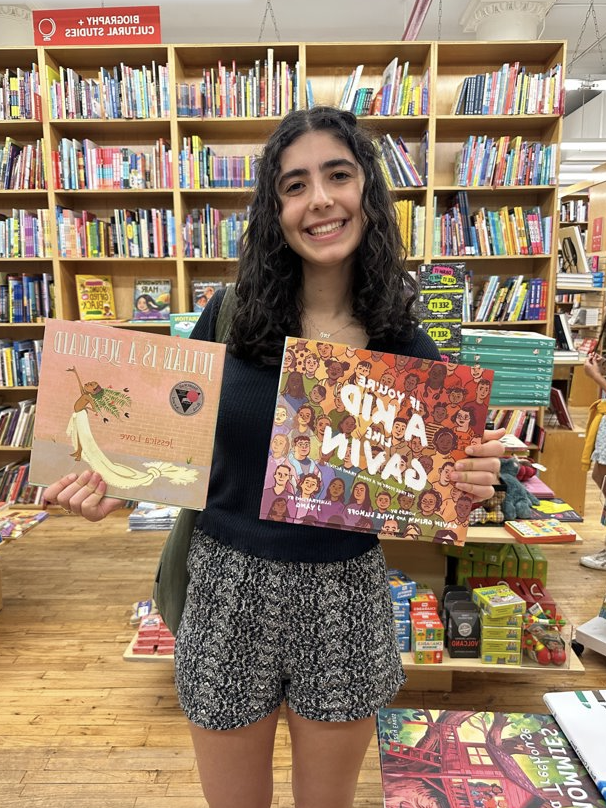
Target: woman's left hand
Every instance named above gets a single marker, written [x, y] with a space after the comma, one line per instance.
[479, 472]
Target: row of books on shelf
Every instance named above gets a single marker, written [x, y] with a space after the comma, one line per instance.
[20, 362]
[139, 233]
[512, 90]
[398, 166]
[520, 423]
[17, 423]
[411, 220]
[209, 233]
[398, 94]
[20, 94]
[22, 166]
[15, 485]
[513, 298]
[79, 165]
[201, 167]
[270, 87]
[574, 210]
[26, 298]
[507, 231]
[505, 161]
[151, 298]
[118, 92]
[579, 280]
[24, 234]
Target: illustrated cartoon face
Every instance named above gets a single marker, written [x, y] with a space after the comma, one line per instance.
[399, 430]
[483, 391]
[462, 420]
[427, 503]
[359, 492]
[400, 363]
[279, 445]
[289, 361]
[456, 395]
[463, 508]
[310, 485]
[91, 387]
[476, 372]
[412, 532]
[436, 375]
[383, 501]
[304, 415]
[439, 413]
[311, 364]
[278, 509]
[444, 442]
[317, 394]
[411, 381]
[390, 527]
[445, 473]
[301, 449]
[405, 500]
[336, 488]
[321, 425]
[426, 462]
[416, 447]
[363, 369]
[281, 476]
[141, 304]
[334, 370]
[324, 349]
[347, 424]
[280, 416]
[320, 190]
[388, 379]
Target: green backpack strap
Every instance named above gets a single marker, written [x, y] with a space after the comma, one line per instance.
[226, 314]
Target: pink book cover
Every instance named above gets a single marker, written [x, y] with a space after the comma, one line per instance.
[140, 408]
[367, 441]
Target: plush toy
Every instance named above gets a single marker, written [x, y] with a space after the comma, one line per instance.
[518, 500]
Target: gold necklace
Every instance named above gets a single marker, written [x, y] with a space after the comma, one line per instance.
[328, 334]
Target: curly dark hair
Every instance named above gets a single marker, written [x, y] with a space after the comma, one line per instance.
[268, 304]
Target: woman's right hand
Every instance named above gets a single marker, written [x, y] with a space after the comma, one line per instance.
[591, 366]
[83, 495]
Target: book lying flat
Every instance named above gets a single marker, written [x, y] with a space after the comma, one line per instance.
[538, 531]
[581, 714]
[555, 508]
[464, 759]
[138, 407]
[366, 441]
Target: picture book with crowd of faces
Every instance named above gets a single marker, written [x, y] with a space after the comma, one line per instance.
[139, 408]
[368, 441]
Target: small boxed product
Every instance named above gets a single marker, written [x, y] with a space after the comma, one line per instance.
[427, 657]
[424, 602]
[401, 587]
[508, 620]
[498, 601]
[502, 632]
[490, 658]
[525, 563]
[401, 609]
[463, 635]
[500, 646]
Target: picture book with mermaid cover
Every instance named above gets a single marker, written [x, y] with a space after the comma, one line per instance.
[139, 408]
[468, 759]
[367, 441]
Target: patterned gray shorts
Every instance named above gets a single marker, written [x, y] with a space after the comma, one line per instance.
[256, 632]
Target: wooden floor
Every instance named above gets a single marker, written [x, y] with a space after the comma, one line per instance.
[79, 726]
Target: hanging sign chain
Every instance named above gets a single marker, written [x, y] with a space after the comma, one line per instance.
[598, 38]
[581, 34]
[440, 20]
[269, 7]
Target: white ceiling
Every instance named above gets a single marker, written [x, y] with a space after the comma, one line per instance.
[189, 21]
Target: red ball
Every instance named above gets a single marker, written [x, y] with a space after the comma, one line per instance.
[558, 657]
[543, 656]
[192, 396]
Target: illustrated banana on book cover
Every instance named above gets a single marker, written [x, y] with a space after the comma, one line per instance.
[139, 408]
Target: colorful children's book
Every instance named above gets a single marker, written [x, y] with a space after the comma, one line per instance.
[95, 297]
[137, 407]
[555, 509]
[540, 531]
[469, 759]
[581, 715]
[181, 325]
[367, 441]
[202, 291]
[14, 522]
[152, 299]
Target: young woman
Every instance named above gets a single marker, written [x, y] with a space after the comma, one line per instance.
[595, 442]
[322, 255]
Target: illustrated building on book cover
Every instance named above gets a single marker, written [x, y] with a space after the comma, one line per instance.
[139, 408]
[151, 299]
[581, 715]
[95, 297]
[467, 759]
[367, 441]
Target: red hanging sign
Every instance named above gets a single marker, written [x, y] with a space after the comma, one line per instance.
[131, 25]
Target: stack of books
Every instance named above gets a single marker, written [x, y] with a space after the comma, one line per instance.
[522, 362]
[152, 516]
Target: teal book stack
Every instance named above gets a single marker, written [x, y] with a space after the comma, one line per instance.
[522, 362]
